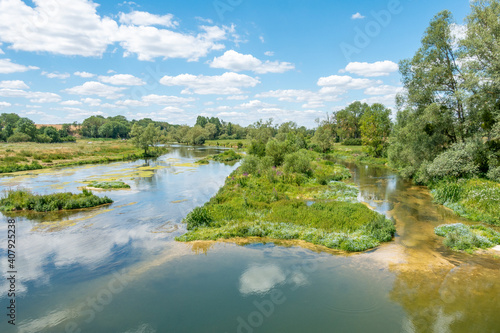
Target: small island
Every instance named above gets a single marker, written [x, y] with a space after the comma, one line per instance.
[290, 196]
[116, 185]
[23, 200]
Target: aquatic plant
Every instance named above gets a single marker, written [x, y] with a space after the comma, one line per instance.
[14, 200]
[109, 185]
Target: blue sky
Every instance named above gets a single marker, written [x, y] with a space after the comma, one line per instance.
[239, 60]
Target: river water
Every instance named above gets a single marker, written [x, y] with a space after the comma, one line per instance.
[118, 268]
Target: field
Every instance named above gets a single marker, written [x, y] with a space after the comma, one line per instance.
[31, 156]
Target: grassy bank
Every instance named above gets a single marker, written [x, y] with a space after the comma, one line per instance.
[24, 200]
[460, 237]
[31, 156]
[475, 199]
[302, 200]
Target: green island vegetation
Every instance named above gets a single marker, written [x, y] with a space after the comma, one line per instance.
[460, 237]
[283, 191]
[229, 156]
[19, 200]
[108, 185]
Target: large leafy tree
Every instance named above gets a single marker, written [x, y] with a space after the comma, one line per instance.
[145, 137]
[375, 129]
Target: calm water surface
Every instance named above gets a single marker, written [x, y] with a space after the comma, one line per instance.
[118, 268]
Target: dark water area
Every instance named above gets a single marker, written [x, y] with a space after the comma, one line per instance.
[117, 268]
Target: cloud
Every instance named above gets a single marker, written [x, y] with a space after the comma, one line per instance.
[84, 74]
[269, 53]
[225, 84]
[149, 42]
[379, 68]
[388, 100]
[237, 97]
[132, 103]
[65, 27]
[383, 90]
[33, 96]
[261, 279]
[15, 84]
[122, 80]
[71, 103]
[1, 52]
[74, 28]
[167, 100]
[96, 88]
[357, 16]
[92, 101]
[56, 75]
[254, 104]
[8, 67]
[235, 61]
[346, 82]
[4, 105]
[311, 99]
[146, 19]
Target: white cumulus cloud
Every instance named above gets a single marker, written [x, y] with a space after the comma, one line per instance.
[225, 84]
[56, 75]
[379, 68]
[145, 18]
[96, 88]
[15, 84]
[8, 67]
[346, 82]
[235, 61]
[84, 74]
[122, 80]
[357, 16]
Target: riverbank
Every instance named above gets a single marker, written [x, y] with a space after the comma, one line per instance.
[32, 156]
[303, 199]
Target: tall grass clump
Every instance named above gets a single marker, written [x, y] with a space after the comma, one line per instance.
[16, 200]
[460, 237]
[475, 199]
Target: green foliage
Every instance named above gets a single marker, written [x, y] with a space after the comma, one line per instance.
[352, 142]
[25, 200]
[227, 156]
[256, 201]
[375, 126]
[299, 162]
[145, 137]
[324, 138]
[277, 150]
[19, 137]
[475, 199]
[494, 174]
[461, 160]
[198, 217]
[460, 237]
[109, 185]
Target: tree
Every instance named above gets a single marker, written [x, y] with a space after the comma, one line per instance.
[26, 126]
[432, 114]
[375, 129]
[347, 120]
[324, 138]
[90, 126]
[145, 137]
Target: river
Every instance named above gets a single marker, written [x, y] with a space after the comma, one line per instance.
[118, 268]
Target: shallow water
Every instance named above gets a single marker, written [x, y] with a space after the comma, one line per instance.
[118, 269]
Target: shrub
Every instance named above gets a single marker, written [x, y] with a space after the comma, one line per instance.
[43, 138]
[227, 156]
[19, 137]
[298, 162]
[352, 142]
[200, 216]
[250, 164]
[463, 159]
[494, 174]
